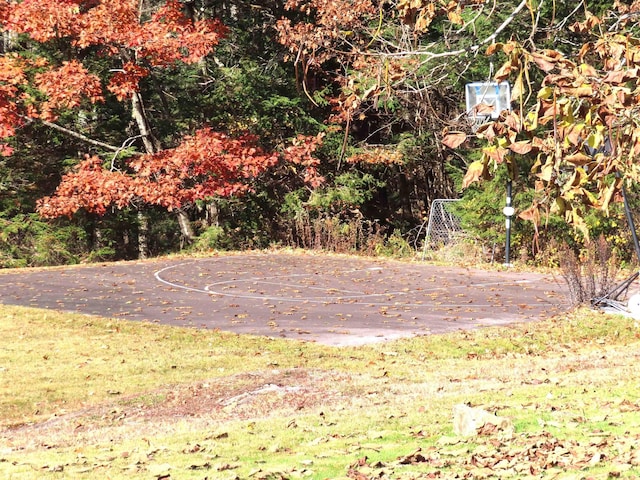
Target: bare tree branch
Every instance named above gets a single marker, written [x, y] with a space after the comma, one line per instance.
[77, 135]
[473, 48]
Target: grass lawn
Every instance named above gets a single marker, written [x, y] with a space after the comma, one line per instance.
[86, 397]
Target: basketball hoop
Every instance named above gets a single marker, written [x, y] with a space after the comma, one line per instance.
[477, 121]
[485, 101]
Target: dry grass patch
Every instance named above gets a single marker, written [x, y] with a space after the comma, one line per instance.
[86, 397]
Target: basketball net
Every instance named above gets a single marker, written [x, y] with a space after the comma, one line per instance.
[476, 121]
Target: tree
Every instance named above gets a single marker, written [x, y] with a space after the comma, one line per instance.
[393, 74]
[118, 50]
[130, 86]
[582, 130]
[133, 45]
[206, 165]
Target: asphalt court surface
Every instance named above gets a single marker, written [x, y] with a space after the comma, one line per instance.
[332, 299]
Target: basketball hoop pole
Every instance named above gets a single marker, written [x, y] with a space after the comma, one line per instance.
[508, 213]
[610, 299]
[498, 96]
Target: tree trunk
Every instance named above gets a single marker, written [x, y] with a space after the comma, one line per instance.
[97, 236]
[404, 194]
[151, 144]
[143, 235]
[213, 214]
[185, 226]
[9, 41]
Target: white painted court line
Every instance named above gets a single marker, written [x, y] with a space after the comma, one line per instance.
[159, 278]
[337, 297]
[260, 281]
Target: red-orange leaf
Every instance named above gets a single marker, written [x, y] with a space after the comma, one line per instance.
[67, 86]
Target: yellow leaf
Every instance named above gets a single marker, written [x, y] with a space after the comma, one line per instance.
[590, 198]
[608, 196]
[578, 222]
[559, 206]
[547, 171]
[424, 19]
[574, 133]
[578, 178]
[510, 47]
[531, 121]
[577, 159]
[587, 70]
[497, 154]
[594, 141]
[514, 122]
[455, 18]
[517, 92]
[545, 93]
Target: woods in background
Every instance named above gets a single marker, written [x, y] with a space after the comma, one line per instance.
[140, 128]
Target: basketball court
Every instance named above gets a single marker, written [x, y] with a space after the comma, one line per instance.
[336, 300]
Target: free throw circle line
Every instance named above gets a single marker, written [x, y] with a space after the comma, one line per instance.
[206, 289]
[158, 277]
[326, 299]
[256, 280]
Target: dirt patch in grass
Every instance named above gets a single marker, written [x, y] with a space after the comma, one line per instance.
[230, 407]
[211, 403]
[563, 420]
[285, 393]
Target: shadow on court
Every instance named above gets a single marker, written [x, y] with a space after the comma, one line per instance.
[335, 300]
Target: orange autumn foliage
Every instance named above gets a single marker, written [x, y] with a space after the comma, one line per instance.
[206, 164]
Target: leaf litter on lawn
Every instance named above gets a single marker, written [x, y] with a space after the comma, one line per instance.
[296, 410]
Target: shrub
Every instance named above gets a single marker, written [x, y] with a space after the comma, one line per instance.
[26, 240]
[590, 273]
[213, 238]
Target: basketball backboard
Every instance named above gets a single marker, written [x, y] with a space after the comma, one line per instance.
[485, 100]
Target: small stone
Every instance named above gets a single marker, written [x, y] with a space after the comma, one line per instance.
[469, 421]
